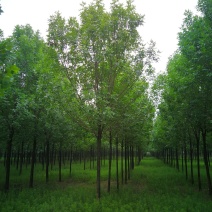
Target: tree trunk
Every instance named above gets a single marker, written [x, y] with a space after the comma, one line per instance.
[31, 180]
[197, 135]
[186, 166]
[43, 154]
[125, 163]
[8, 158]
[206, 162]
[110, 160]
[182, 160]
[18, 158]
[63, 158]
[52, 157]
[5, 158]
[122, 162]
[117, 165]
[177, 159]
[84, 160]
[128, 162]
[167, 155]
[98, 149]
[47, 158]
[60, 162]
[104, 155]
[139, 155]
[80, 156]
[21, 157]
[132, 157]
[171, 155]
[191, 160]
[93, 158]
[71, 158]
[90, 156]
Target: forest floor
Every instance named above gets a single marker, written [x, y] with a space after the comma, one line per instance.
[153, 186]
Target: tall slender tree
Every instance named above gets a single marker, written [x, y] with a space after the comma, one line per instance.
[102, 57]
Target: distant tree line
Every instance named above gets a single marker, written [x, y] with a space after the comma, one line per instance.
[182, 132]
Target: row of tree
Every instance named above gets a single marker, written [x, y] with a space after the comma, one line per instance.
[87, 82]
[183, 127]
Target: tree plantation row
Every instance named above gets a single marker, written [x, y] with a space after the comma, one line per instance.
[85, 87]
[125, 158]
[84, 94]
[183, 127]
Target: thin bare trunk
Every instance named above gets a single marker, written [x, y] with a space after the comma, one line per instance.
[206, 162]
[110, 161]
[8, 159]
[99, 138]
[117, 165]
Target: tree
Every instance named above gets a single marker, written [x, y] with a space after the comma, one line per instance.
[197, 49]
[102, 57]
[186, 98]
[27, 47]
[12, 111]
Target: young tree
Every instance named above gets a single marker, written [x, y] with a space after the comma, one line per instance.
[187, 91]
[196, 47]
[102, 57]
[27, 46]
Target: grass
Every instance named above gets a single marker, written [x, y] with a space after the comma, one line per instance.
[153, 187]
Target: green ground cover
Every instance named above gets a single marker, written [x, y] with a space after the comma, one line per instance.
[153, 187]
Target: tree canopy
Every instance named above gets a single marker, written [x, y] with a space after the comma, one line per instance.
[186, 100]
[87, 81]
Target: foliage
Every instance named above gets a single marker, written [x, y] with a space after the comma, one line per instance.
[100, 65]
[105, 64]
[186, 99]
[7, 67]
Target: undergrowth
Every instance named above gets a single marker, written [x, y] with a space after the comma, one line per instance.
[153, 187]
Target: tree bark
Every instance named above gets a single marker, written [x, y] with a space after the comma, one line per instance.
[99, 138]
[182, 160]
[117, 164]
[84, 159]
[52, 157]
[110, 161]
[8, 158]
[125, 163]
[18, 158]
[47, 158]
[197, 135]
[206, 162]
[71, 158]
[139, 155]
[122, 162]
[191, 160]
[128, 162]
[21, 157]
[90, 156]
[60, 162]
[177, 159]
[31, 179]
[132, 157]
[186, 166]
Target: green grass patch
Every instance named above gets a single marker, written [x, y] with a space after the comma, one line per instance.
[153, 187]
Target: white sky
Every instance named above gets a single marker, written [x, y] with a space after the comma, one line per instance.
[163, 19]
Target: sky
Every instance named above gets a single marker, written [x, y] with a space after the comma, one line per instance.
[163, 19]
